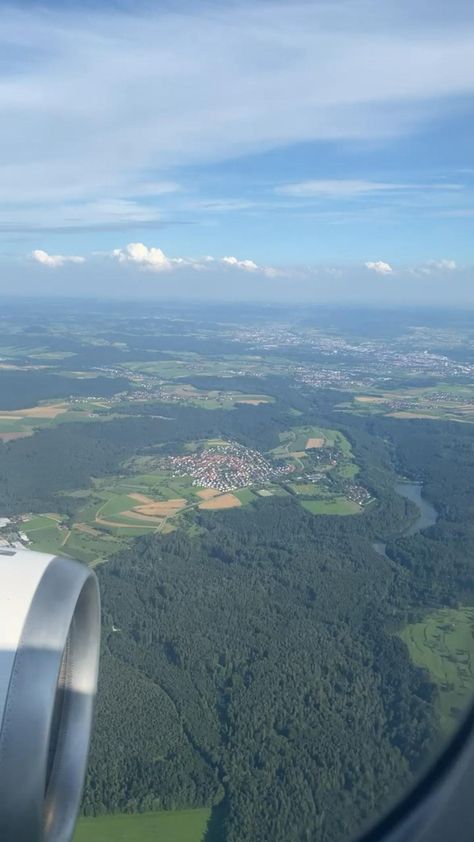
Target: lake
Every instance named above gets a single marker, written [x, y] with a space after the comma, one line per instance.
[427, 513]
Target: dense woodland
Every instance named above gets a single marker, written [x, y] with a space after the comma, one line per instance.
[21, 389]
[283, 695]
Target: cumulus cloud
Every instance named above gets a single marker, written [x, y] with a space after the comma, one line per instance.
[55, 260]
[246, 265]
[379, 266]
[148, 258]
[155, 260]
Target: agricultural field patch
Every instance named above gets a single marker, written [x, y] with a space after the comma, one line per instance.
[444, 401]
[305, 489]
[331, 507]
[170, 507]
[19, 423]
[44, 533]
[443, 644]
[245, 495]
[223, 501]
[315, 442]
[169, 826]
[207, 493]
[210, 398]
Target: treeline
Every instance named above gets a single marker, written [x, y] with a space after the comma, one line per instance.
[21, 389]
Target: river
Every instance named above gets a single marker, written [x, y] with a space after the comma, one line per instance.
[427, 513]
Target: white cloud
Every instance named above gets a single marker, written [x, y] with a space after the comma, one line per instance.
[352, 187]
[434, 267]
[443, 265]
[379, 266]
[232, 79]
[155, 260]
[54, 260]
[246, 265]
[152, 258]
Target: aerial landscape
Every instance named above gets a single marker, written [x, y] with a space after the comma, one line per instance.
[236, 398]
[244, 525]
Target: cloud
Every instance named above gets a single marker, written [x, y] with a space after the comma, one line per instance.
[448, 265]
[152, 258]
[434, 266]
[246, 265]
[54, 260]
[352, 187]
[233, 79]
[155, 260]
[379, 266]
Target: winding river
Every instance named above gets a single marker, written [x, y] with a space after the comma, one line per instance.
[427, 513]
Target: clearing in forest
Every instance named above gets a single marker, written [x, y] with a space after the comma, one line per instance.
[443, 644]
[168, 825]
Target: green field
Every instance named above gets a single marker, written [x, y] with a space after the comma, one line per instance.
[245, 496]
[164, 826]
[44, 533]
[296, 439]
[443, 644]
[209, 398]
[331, 507]
[305, 489]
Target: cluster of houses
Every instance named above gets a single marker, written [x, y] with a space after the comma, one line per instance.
[227, 467]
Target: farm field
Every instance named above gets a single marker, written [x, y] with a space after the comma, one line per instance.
[443, 644]
[49, 534]
[445, 401]
[331, 507]
[147, 498]
[302, 440]
[211, 399]
[24, 422]
[45, 533]
[221, 501]
[166, 825]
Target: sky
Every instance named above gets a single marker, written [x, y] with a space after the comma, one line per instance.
[274, 150]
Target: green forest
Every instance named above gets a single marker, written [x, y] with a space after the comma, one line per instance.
[256, 667]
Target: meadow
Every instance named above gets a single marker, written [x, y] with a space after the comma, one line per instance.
[443, 644]
[166, 826]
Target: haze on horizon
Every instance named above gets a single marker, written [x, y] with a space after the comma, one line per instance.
[284, 151]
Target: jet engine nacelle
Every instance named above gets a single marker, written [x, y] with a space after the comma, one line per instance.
[49, 653]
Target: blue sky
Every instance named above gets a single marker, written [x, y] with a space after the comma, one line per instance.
[274, 150]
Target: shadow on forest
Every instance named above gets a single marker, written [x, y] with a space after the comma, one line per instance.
[215, 825]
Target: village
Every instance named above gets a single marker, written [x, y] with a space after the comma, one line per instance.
[227, 467]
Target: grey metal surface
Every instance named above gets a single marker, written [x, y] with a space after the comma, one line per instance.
[44, 737]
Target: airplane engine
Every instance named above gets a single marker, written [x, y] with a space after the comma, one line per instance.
[49, 654]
